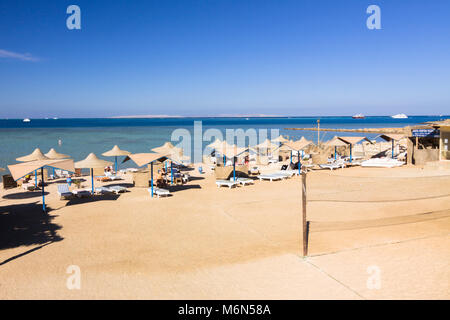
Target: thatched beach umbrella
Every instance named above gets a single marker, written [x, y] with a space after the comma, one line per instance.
[234, 151]
[280, 139]
[92, 162]
[174, 152]
[336, 142]
[35, 155]
[142, 159]
[115, 152]
[20, 170]
[392, 137]
[268, 145]
[298, 146]
[353, 140]
[54, 155]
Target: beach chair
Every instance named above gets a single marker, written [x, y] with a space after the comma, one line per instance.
[286, 173]
[117, 189]
[330, 166]
[63, 191]
[270, 177]
[80, 193]
[159, 192]
[102, 190]
[111, 176]
[226, 183]
[28, 186]
[243, 181]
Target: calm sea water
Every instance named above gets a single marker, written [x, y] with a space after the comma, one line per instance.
[79, 137]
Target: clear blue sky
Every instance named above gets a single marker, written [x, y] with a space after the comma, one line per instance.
[211, 57]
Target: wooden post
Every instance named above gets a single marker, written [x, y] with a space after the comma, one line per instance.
[304, 222]
[318, 132]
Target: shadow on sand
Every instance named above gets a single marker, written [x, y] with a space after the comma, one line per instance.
[24, 195]
[95, 198]
[26, 225]
[183, 187]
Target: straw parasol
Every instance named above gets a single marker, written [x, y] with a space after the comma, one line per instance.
[53, 154]
[20, 170]
[35, 155]
[115, 152]
[336, 142]
[392, 137]
[168, 148]
[216, 144]
[148, 158]
[280, 139]
[91, 162]
[232, 152]
[267, 144]
[353, 140]
[298, 146]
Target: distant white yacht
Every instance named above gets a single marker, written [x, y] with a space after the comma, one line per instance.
[399, 116]
[358, 116]
[26, 120]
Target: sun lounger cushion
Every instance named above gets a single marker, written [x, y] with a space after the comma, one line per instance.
[226, 183]
[330, 166]
[270, 177]
[117, 189]
[103, 190]
[243, 181]
[63, 190]
[81, 192]
[159, 192]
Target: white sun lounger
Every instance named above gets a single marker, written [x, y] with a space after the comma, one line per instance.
[111, 176]
[117, 189]
[63, 190]
[330, 166]
[159, 192]
[81, 192]
[102, 190]
[285, 173]
[226, 183]
[243, 181]
[382, 163]
[270, 177]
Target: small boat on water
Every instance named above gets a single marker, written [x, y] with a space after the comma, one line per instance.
[399, 116]
[26, 120]
[358, 116]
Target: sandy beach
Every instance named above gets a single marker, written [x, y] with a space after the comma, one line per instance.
[244, 243]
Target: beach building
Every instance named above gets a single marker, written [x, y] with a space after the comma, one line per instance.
[428, 144]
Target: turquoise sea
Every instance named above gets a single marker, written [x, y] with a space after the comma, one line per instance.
[79, 137]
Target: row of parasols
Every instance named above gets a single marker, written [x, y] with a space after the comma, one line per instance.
[37, 161]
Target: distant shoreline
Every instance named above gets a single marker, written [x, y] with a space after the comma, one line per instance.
[218, 116]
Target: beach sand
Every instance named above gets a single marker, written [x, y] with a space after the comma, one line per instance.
[244, 243]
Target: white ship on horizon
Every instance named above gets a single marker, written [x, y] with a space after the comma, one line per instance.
[26, 120]
[399, 116]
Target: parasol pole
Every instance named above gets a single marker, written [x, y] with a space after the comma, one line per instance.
[151, 172]
[43, 192]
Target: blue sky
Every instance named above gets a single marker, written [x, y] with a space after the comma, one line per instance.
[212, 57]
